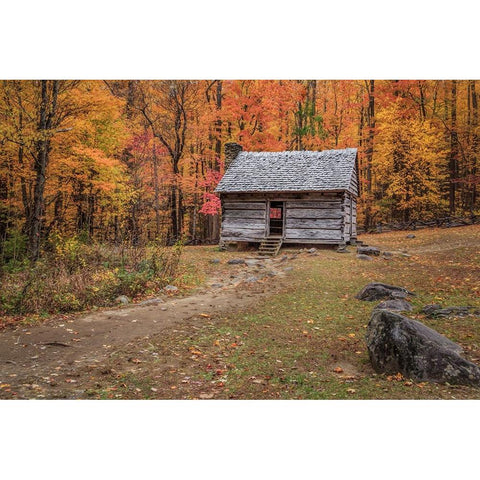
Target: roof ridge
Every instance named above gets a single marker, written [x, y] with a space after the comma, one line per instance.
[299, 151]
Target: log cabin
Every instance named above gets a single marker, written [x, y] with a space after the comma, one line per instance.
[294, 197]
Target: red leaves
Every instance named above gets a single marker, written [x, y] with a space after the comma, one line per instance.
[212, 204]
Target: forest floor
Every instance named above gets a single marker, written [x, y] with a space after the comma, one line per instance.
[288, 327]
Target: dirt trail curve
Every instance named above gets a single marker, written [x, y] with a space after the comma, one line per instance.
[46, 354]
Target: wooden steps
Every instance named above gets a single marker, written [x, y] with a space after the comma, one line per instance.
[270, 246]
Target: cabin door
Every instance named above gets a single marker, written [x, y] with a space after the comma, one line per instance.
[275, 217]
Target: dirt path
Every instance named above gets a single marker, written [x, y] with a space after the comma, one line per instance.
[35, 360]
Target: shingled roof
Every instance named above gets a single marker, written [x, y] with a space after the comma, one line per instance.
[303, 171]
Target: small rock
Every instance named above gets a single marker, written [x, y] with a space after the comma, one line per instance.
[364, 257]
[152, 301]
[342, 249]
[436, 310]
[271, 273]
[410, 235]
[206, 396]
[252, 263]
[123, 299]
[252, 279]
[403, 254]
[214, 260]
[312, 250]
[171, 288]
[379, 291]
[368, 251]
[288, 269]
[430, 309]
[284, 258]
[216, 285]
[396, 305]
[387, 254]
[163, 309]
[236, 261]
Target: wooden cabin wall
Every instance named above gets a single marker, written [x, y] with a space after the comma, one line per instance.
[318, 220]
[354, 218]
[309, 217]
[243, 220]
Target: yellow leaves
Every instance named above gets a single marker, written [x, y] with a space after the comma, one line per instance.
[406, 157]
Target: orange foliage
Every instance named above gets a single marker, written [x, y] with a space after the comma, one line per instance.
[127, 154]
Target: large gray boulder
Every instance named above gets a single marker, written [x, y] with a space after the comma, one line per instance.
[397, 305]
[399, 344]
[379, 291]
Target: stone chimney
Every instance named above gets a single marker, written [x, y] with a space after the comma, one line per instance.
[231, 152]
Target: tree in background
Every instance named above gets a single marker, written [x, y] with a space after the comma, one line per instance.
[136, 160]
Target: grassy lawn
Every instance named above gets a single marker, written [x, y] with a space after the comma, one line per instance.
[308, 341]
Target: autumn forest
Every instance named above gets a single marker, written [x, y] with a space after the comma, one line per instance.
[138, 161]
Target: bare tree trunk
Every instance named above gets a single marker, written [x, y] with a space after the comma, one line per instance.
[156, 190]
[23, 186]
[453, 162]
[475, 142]
[47, 111]
[369, 151]
[423, 112]
[218, 125]
[174, 212]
